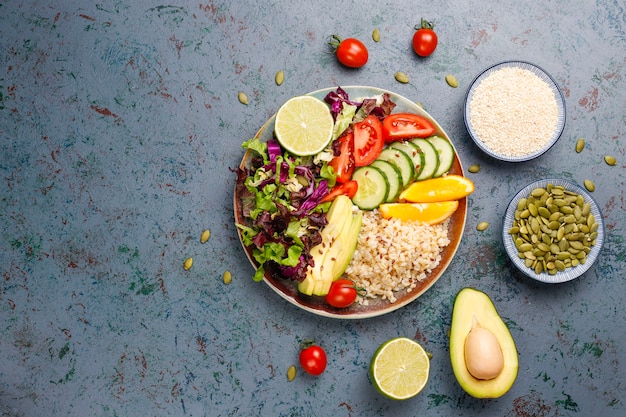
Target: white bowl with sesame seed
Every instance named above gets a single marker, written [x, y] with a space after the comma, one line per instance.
[514, 111]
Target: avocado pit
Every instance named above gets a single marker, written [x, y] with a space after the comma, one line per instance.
[483, 354]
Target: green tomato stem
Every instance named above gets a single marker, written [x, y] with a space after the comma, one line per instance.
[425, 24]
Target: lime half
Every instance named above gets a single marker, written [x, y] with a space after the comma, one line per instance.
[399, 368]
[304, 125]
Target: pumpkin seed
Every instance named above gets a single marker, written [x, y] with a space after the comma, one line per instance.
[544, 212]
[554, 249]
[521, 204]
[482, 226]
[376, 35]
[586, 209]
[188, 264]
[538, 192]
[280, 77]
[452, 81]
[580, 145]
[204, 237]
[555, 216]
[243, 98]
[291, 373]
[402, 77]
[474, 168]
[227, 277]
[543, 247]
[589, 185]
[610, 160]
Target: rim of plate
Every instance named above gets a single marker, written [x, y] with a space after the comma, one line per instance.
[541, 73]
[569, 273]
[381, 306]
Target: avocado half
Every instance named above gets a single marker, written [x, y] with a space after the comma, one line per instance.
[472, 306]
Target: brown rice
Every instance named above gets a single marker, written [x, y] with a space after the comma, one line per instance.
[393, 255]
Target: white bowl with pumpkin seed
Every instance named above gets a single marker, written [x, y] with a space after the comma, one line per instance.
[553, 230]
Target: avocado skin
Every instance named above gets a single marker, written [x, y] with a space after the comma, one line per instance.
[470, 303]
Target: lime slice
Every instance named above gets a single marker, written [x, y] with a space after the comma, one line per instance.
[304, 125]
[399, 368]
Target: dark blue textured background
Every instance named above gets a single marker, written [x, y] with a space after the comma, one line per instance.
[119, 127]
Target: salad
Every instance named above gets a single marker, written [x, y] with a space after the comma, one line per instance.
[284, 198]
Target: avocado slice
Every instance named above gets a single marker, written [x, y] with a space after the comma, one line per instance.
[477, 327]
[347, 244]
[318, 278]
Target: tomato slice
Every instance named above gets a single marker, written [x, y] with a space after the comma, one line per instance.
[348, 189]
[368, 141]
[343, 164]
[398, 126]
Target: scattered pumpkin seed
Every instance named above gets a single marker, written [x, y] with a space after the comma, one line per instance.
[280, 77]
[243, 98]
[227, 277]
[452, 81]
[291, 373]
[580, 145]
[376, 35]
[610, 160]
[204, 237]
[589, 185]
[482, 226]
[188, 264]
[474, 168]
[402, 77]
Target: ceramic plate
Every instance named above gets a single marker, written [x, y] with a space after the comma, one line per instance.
[317, 305]
[569, 273]
[558, 96]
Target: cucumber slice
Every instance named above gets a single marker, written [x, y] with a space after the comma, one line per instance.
[373, 187]
[394, 178]
[445, 150]
[414, 152]
[401, 160]
[431, 158]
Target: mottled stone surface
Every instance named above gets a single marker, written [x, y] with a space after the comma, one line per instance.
[119, 127]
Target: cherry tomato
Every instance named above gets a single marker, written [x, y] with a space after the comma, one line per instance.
[347, 189]
[342, 293]
[399, 126]
[343, 164]
[368, 141]
[350, 52]
[424, 39]
[313, 360]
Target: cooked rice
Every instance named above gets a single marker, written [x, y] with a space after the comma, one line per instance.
[393, 255]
